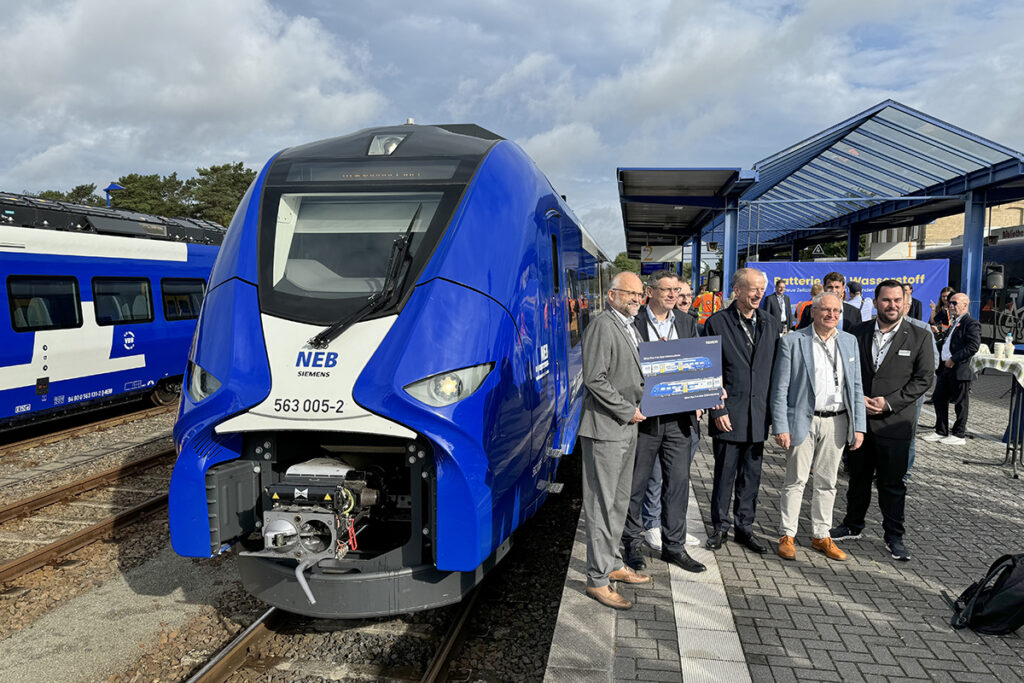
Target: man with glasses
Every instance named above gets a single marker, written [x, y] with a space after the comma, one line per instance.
[740, 427]
[817, 409]
[779, 306]
[663, 445]
[611, 410]
[955, 374]
[835, 283]
[896, 367]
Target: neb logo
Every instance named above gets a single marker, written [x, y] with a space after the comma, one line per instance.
[317, 359]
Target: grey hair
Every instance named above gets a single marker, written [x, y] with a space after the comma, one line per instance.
[743, 274]
[818, 300]
[616, 281]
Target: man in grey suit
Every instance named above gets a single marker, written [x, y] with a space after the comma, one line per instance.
[611, 411]
[817, 408]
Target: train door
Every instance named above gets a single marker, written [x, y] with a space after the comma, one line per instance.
[559, 322]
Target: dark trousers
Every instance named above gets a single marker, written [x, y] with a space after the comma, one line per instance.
[889, 458]
[668, 449]
[737, 466]
[949, 388]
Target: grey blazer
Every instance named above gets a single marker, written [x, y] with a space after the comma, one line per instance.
[612, 378]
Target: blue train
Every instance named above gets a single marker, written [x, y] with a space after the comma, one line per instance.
[386, 371]
[102, 305]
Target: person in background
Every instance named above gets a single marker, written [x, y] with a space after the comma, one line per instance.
[835, 283]
[916, 307]
[817, 408]
[897, 367]
[611, 410]
[935, 362]
[684, 302]
[939, 317]
[955, 374]
[864, 303]
[779, 306]
[816, 289]
[663, 443]
[739, 427]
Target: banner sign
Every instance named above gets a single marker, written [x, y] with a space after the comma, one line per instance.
[927, 276]
[681, 375]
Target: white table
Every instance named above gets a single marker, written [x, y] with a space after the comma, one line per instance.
[1015, 429]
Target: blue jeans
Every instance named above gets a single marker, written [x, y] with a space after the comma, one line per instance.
[651, 513]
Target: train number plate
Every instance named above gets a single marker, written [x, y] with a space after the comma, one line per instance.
[309, 405]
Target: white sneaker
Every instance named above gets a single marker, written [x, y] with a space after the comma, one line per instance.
[692, 540]
[652, 537]
[953, 440]
[933, 437]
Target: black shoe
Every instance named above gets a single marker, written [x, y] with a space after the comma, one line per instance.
[842, 531]
[634, 559]
[750, 542]
[717, 539]
[898, 550]
[682, 560]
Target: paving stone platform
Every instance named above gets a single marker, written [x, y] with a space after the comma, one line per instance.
[869, 618]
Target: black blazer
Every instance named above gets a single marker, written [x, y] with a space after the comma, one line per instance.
[962, 346]
[746, 374]
[686, 328]
[916, 309]
[851, 317]
[770, 304]
[905, 374]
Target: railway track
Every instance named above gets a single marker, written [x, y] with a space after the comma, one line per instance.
[19, 515]
[248, 651]
[99, 425]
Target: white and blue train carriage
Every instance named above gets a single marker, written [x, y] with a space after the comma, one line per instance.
[102, 305]
[386, 372]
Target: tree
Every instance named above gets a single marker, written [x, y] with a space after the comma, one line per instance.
[623, 262]
[216, 191]
[79, 194]
[161, 196]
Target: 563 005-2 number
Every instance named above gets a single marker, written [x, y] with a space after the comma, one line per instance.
[308, 405]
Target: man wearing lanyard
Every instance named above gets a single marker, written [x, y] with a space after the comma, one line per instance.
[817, 408]
[663, 444]
[897, 368]
[955, 374]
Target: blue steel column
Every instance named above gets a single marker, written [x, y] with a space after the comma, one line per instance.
[695, 264]
[730, 242]
[973, 251]
[852, 245]
[794, 251]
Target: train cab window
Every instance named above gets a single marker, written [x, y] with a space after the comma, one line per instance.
[118, 301]
[182, 298]
[43, 303]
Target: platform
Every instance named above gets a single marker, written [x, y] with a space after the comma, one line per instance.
[760, 618]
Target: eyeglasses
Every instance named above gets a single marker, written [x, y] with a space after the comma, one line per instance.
[677, 290]
[685, 296]
[631, 295]
[831, 311]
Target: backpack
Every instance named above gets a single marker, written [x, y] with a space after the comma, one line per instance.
[995, 604]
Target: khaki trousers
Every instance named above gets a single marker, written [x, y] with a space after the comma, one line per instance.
[822, 448]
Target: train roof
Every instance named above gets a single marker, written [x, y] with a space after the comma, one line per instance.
[48, 214]
[414, 140]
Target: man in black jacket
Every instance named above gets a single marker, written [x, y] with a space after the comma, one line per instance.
[896, 369]
[662, 441]
[955, 374]
[740, 427]
[779, 306]
[835, 283]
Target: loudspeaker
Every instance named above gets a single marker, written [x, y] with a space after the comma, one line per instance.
[994, 276]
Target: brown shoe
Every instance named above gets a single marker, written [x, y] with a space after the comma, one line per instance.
[787, 550]
[828, 546]
[627, 575]
[606, 596]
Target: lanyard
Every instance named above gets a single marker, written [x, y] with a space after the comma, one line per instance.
[746, 328]
[880, 353]
[832, 360]
[654, 332]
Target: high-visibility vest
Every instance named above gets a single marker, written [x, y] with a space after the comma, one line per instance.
[800, 311]
[706, 304]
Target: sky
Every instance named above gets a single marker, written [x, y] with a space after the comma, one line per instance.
[96, 89]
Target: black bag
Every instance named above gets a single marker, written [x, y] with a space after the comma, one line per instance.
[994, 605]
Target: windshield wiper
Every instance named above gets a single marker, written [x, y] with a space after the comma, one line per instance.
[377, 300]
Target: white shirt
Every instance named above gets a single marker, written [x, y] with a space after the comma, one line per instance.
[663, 329]
[881, 341]
[947, 354]
[867, 309]
[627, 320]
[828, 383]
[783, 307]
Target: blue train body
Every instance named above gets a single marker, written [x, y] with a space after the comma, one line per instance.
[93, 317]
[382, 467]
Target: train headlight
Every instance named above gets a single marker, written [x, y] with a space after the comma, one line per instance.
[200, 383]
[447, 388]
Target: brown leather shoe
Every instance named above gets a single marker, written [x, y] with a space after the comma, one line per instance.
[627, 575]
[828, 546]
[787, 549]
[606, 596]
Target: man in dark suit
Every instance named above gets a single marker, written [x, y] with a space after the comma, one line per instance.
[916, 307]
[955, 374]
[740, 427]
[896, 365]
[779, 306]
[835, 283]
[663, 442]
[611, 410]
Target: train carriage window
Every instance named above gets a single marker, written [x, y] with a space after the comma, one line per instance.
[43, 303]
[182, 298]
[118, 301]
[575, 306]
